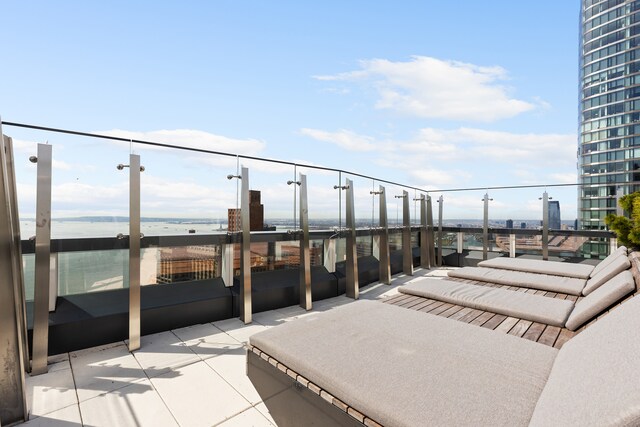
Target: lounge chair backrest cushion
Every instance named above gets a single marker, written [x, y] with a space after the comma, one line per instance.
[621, 251]
[609, 293]
[596, 377]
[617, 265]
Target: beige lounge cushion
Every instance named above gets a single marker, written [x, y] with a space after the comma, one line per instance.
[536, 308]
[405, 368]
[565, 285]
[617, 265]
[621, 251]
[611, 292]
[580, 271]
[595, 380]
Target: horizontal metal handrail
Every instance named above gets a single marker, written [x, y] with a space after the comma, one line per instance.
[283, 162]
[114, 243]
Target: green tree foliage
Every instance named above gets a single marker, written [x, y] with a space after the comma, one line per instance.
[627, 228]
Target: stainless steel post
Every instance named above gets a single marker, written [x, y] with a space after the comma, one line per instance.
[385, 261]
[18, 276]
[460, 242]
[430, 234]
[512, 245]
[440, 203]
[42, 262]
[424, 241]
[13, 406]
[305, 257]
[485, 226]
[245, 257]
[545, 226]
[407, 253]
[134, 252]
[352, 287]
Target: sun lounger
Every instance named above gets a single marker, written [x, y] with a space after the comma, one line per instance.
[378, 363]
[550, 311]
[579, 271]
[546, 282]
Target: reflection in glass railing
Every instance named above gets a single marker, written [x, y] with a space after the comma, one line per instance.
[92, 271]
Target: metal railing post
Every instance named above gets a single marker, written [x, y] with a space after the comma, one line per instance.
[42, 261]
[13, 406]
[512, 245]
[383, 239]
[134, 252]
[407, 255]
[352, 289]
[18, 275]
[545, 226]
[245, 253]
[305, 257]
[424, 241]
[460, 245]
[485, 227]
[430, 234]
[440, 203]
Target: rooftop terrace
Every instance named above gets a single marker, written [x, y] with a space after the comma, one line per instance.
[189, 376]
[100, 322]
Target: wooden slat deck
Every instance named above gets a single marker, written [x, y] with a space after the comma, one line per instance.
[552, 336]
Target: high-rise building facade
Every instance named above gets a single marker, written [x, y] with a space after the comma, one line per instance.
[609, 146]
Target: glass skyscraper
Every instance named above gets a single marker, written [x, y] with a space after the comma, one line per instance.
[609, 146]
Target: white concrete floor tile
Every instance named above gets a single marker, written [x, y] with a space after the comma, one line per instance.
[291, 311]
[138, 404]
[206, 340]
[271, 318]
[232, 367]
[65, 417]
[238, 329]
[265, 412]
[101, 370]
[51, 391]
[249, 418]
[197, 396]
[57, 358]
[161, 352]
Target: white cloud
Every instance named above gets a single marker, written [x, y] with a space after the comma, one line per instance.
[439, 89]
[564, 178]
[472, 157]
[342, 138]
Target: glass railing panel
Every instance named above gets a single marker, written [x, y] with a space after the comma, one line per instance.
[180, 264]
[28, 268]
[316, 252]
[184, 193]
[92, 271]
[395, 239]
[324, 202]
[364, 246]
[449, 240]
[274, 202]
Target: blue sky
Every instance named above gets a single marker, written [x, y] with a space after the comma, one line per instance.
[428, 93]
